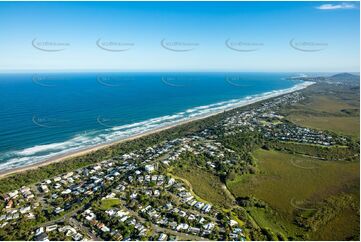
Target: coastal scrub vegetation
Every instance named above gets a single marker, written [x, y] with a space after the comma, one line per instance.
[279, 190]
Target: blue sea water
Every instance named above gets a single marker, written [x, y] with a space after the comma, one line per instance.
[49, 114]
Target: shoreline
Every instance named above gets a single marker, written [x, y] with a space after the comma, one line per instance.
[77, 153]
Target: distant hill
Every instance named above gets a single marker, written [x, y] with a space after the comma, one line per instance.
[345, 78]
[340, 78]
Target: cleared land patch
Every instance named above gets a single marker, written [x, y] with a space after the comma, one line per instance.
[205, 185]
[106, 204]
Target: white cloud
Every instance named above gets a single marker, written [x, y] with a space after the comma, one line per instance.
[335, 6]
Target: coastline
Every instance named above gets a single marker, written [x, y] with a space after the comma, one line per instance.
[88, 150]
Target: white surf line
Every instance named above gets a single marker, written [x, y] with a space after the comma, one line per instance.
[28, 156]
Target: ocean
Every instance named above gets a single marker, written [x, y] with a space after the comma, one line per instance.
[50, 114]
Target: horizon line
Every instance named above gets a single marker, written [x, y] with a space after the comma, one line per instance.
[172, 71]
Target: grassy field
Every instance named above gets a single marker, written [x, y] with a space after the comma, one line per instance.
[205, 185]
[342, 125]
[340, 227]
[289, 183]
[298, 187]
[109, 203]
[326, 112]
[326, 104]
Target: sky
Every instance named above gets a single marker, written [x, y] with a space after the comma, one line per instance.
[180, 36]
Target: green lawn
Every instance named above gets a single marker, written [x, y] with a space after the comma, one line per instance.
[106, 204]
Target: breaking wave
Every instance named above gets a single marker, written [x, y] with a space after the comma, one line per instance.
[39, 153]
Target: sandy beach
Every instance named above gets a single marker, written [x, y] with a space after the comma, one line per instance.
[84, 151]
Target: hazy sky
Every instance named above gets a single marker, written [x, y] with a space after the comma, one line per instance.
[177, 36]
